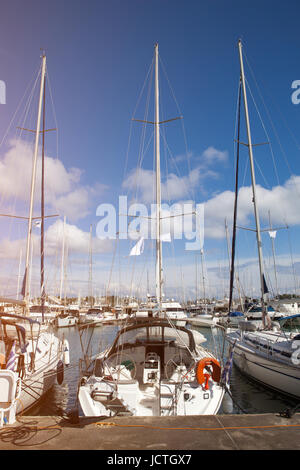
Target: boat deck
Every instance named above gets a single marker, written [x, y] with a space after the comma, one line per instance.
[213, 432]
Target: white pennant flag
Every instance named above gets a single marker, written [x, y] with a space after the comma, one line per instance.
[138, 248]
[166, 237]
[273, 234]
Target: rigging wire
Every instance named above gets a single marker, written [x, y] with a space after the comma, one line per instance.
[150, 71]
[269, 115]
[18, 139]
[182, 120]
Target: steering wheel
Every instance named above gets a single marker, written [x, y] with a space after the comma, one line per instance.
[120, 366]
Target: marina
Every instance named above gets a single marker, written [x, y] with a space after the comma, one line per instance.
[252, 417]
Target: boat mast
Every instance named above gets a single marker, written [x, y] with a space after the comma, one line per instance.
[232, 262]
[196, 279]
[274, 257]
[256, 214]
[33, 177]
[158, 188]
[19, 275]
[203, 278]
[62, 260]
[43, 208]
[91, 269]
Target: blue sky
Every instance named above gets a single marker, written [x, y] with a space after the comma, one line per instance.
[98, 55]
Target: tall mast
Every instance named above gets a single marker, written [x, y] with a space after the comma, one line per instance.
[274, 257]
[19, 275]
[158, 188]
[196, 279]
[65, 275]
[203, 278]
[33, 177]
[91, 269]
[232, 263]
[256, 214]
[62, 259]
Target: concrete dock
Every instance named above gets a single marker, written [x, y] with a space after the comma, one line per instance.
[217, 432]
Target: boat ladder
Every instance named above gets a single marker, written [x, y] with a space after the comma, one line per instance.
[167, 399]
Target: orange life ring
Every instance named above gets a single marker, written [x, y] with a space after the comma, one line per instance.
[202, 376]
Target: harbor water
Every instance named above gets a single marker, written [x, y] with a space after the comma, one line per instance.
[245, 396]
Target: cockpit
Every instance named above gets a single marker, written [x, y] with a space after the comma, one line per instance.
[148, 352]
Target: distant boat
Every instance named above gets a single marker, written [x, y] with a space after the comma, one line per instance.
[232, 319]
[204, 315]
[64, 320]
[286, 306]
[173, 311]
[204, 320]
[256, 313]
[94, 316]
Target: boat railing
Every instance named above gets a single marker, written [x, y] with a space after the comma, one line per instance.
[269, 347]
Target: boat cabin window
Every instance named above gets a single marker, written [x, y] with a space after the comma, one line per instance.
[10, 332]
[291, 325]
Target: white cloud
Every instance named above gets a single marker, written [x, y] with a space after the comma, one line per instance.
[174, 187]
[282, 202]
[74, 204]
[77, 241]
[212, 155]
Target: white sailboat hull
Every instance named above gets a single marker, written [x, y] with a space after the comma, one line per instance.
[65, 322]
[178, 320]
[149, 403]
[36, 384]
[206, 321]
[284, 378]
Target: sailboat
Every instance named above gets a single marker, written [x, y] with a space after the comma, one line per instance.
[154, 367]
[31, 356]
[174, 311]
[269, 355]
[203, 314]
